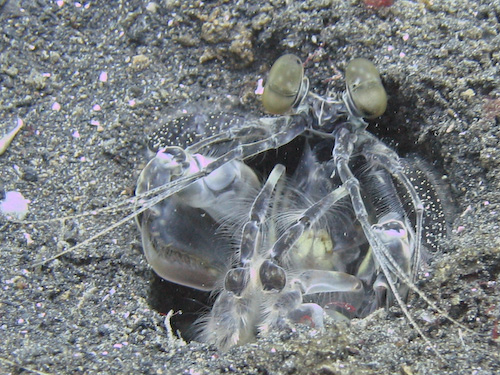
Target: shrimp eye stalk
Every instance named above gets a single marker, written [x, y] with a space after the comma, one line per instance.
[366, 96]
[285, 85]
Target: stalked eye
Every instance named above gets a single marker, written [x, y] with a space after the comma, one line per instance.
[364, 88]
[283, 84]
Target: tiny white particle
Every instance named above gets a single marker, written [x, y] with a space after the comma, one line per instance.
[29, 240]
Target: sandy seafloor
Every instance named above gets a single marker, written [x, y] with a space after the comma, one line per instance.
[95, 310]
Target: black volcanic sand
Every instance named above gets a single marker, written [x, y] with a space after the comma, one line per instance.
[100, 309]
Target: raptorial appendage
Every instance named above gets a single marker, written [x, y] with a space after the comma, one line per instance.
[167, 227]
[334, 227]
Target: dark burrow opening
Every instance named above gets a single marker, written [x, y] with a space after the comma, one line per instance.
[399, 128]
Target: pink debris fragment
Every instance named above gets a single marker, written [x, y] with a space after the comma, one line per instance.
[103, 77]
[260, 88]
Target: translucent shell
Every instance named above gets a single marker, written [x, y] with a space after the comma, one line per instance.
[365, 89]
[283, 85]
